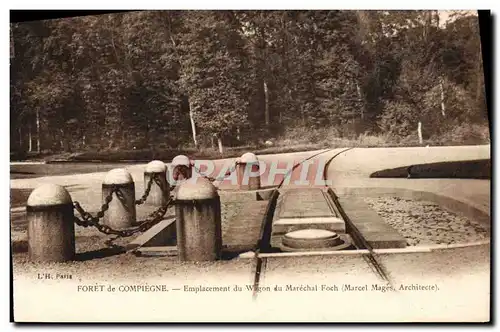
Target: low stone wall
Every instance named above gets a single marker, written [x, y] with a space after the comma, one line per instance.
[447, 203]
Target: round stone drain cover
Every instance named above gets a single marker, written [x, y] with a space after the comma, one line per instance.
[313, 239]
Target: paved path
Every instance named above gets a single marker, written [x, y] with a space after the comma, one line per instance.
[364, 161]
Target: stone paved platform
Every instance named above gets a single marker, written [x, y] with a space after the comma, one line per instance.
[304, 203]
[244, 228]
[372, 227]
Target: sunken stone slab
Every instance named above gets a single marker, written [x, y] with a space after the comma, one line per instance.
[244, 228]
[305, 203]
[306, 208]
[378, 233]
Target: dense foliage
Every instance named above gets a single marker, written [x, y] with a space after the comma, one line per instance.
[166, 79]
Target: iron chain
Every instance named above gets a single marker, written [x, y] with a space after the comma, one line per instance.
[91, 221]
[148, 189]
[88, 219]
[154, 179]
[153, 218]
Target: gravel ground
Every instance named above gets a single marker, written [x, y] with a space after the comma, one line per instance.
[426, 223]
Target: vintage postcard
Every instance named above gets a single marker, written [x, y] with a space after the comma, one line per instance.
[250, 166]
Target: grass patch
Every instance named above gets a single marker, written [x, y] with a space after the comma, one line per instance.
[332, 138]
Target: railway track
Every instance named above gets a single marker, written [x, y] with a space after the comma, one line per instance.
[264, 246]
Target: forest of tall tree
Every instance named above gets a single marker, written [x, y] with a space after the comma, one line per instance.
[170, 79]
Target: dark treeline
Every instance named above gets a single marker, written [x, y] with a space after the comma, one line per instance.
[168, 79]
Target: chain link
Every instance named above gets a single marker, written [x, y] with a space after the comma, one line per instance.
[153, 218]
[88, 219]
[148, 189]
[91, 221]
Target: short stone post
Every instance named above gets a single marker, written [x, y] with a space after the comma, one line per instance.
[51, 228]
[121, 212]
[198, 221]
[248, 173]
[182, 168]
[160, 189]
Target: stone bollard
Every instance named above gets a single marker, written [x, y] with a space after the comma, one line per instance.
[121, 212]
[51, 228]
[247, 170]
[160, 189]
[182, 168]
[198, 221]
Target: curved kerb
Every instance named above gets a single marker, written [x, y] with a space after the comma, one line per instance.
[448, 203]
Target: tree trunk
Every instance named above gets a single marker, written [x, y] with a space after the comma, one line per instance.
[12, 48]
[30, 139]
[292, 102]
[148, 136]
[479, 83]
[443, 108]
[420, 140]
[363, 24]
[193, 124]
[219, 142]
[427, 24]
[61, 140]
[266, 106]
[38, 131]
[111, 144]
[20, 139]
[361, 99]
